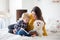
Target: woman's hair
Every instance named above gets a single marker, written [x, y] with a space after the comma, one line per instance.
[38, 13]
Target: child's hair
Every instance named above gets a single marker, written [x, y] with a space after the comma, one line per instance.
[25, 15]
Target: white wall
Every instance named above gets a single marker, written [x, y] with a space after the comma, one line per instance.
[49, 9]
[14, 5]
[29, 4]
[4, 5]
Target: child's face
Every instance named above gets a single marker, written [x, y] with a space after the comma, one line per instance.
[34, 15]
[26, 20]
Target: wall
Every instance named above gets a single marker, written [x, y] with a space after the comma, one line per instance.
[50, 10]
[4, 5]
[29, 4]
[13, 6]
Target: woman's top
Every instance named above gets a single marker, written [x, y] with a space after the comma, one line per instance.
[30, 25]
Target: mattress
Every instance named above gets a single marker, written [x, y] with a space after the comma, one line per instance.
[4, 35]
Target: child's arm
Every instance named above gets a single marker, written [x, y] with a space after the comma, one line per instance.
[18, 25]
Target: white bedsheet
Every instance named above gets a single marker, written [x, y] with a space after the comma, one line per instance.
[4, 35]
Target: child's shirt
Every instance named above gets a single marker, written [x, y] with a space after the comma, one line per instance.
[20, 24]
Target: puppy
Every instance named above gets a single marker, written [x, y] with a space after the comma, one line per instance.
[38, 25]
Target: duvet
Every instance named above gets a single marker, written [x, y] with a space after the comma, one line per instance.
[4, 35]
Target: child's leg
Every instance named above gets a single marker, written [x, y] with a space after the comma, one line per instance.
[22, 32]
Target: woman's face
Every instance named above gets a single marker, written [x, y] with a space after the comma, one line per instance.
[34, 15]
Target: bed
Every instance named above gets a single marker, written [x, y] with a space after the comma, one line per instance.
[52, 35]
[4, 35]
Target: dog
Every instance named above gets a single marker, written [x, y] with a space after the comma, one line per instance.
[38, 25]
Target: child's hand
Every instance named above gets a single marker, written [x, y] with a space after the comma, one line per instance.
[14, 31]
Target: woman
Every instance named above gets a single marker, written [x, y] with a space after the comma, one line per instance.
[36, 14]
